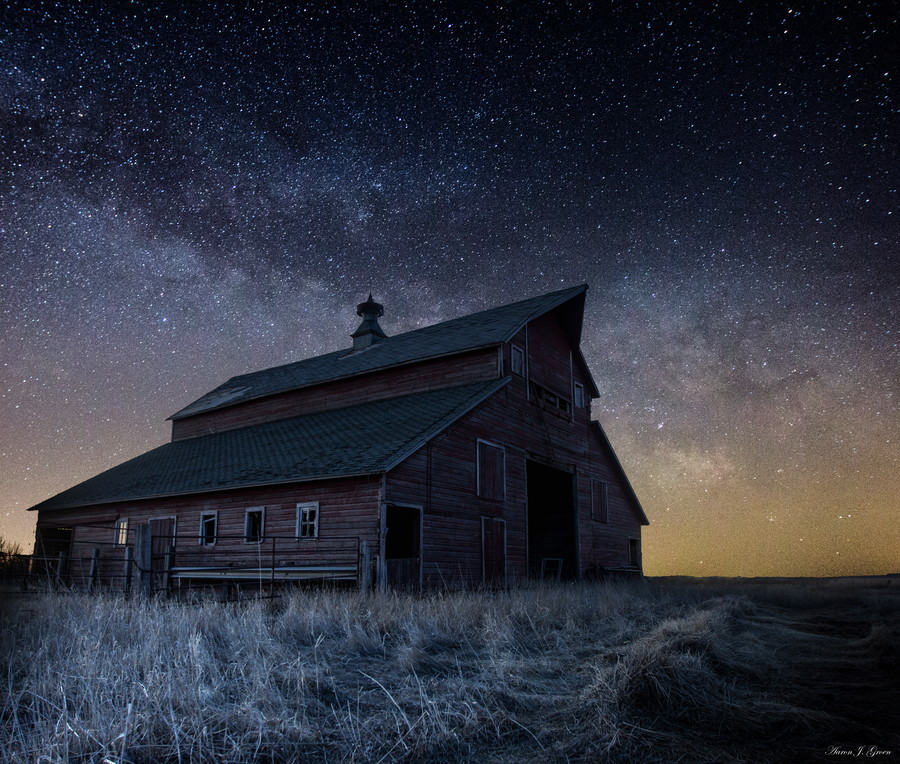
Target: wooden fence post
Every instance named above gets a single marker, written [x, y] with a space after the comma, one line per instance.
[381, 578]
[129, 564]
[365, 574]
[169, 564]
[143, 559]
[272, 584]
[95, 570]
[60, 568]
[27, 570]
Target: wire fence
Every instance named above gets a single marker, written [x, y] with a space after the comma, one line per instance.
[148, 560]
[139, 559]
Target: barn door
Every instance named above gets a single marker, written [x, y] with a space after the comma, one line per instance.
[402, 556]
[493, 551]
[162, 535]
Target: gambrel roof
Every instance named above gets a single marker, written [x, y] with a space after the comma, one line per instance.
[477, 330]
[358, 440]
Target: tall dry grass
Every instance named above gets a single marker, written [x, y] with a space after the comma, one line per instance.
[573, 673]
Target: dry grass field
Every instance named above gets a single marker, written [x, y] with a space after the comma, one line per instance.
[657, 671]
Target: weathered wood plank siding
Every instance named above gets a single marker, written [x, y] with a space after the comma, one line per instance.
[549, 355]
[348, 507]
[442, 477]
[605, 544]
[454, 370]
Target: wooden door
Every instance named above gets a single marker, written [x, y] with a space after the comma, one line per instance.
[493, 551]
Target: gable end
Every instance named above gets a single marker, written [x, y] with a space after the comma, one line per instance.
[597, 429]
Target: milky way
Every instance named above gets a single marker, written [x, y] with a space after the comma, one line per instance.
[189, 193]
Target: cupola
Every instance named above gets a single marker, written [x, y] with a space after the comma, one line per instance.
[369, 332]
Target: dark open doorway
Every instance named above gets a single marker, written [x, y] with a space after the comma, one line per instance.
[551, 522]
[402, 546]
[53, 545]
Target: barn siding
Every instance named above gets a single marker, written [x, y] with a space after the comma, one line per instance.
[442, 476]
[549, 355]
[606, 544]
[454, 370]
[348, 507]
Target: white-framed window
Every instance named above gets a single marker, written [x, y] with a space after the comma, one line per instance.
[600, 501]
[491, 471]
[308, 520]
[517, 360]
[121, 537]
[209, 528]
[634, 553]
[254, 525]
[579, 395]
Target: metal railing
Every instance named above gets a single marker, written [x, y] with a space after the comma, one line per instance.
[271, 559]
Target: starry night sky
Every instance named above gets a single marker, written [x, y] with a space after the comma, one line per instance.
[189, 193]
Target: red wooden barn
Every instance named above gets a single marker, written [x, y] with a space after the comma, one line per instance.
[459, 453]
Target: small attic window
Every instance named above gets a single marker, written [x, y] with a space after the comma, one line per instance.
[550, 399]
[579, 395]
[517, 360]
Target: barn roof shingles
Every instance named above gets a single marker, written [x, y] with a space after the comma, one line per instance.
[477, 330]
[363, 439]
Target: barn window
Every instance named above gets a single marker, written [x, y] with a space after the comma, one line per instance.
[253, 525]
[550, 399]
[579, 395]
[517, 360]
[121, 537]
[634, 553]
[209, 522]
[491, 471]
[308, 520]
[600, 501]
